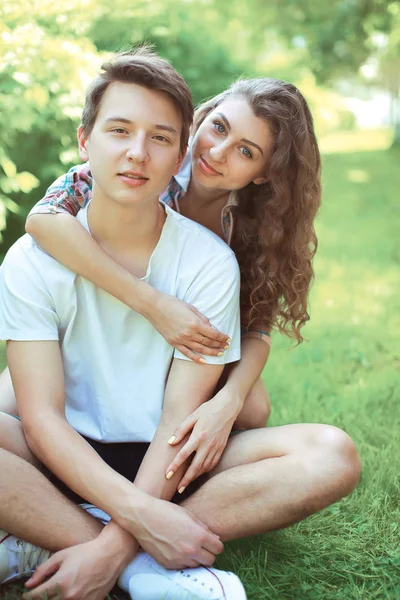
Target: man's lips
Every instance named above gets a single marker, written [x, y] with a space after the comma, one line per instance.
[206, 168]
[132, 178]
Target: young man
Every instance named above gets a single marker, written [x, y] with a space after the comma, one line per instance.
[103, 391]
[106, 366]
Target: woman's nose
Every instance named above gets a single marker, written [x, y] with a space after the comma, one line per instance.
[218, 152]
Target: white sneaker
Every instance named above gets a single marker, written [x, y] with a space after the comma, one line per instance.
[18, 558]
[202, 583]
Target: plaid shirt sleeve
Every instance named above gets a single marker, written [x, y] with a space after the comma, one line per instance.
[68, 194]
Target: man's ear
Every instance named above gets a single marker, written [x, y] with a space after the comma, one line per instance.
[260, 180]
[82, 141]
[179, 161]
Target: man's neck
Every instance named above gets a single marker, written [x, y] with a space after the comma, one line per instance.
[125, 228]
[128, 234]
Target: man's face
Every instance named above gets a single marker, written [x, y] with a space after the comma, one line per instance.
[134, 147]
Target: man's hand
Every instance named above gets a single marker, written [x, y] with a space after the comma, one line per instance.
[174, 537]
[185, 328]
[83, 572]
[209, 427]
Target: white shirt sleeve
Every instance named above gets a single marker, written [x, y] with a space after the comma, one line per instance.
[27, 310]
[215, 293]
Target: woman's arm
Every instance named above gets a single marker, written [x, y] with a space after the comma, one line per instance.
[212, 422]
[64, 238]
[246, 372]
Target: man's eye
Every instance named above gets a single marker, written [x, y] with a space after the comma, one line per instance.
[219, 127]
[246, 152]
[161, 138]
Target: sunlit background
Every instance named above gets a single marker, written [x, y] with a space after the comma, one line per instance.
[344, 55]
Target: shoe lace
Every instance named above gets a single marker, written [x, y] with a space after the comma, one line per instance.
[30, 556]
[219, 581]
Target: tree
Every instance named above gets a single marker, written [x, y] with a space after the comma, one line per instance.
[42, 82]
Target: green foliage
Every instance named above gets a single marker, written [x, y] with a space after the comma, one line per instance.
[338, 36]
[42, 83]
[50, 53]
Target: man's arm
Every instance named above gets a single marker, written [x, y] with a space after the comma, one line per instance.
[38, 379]
[37, 373]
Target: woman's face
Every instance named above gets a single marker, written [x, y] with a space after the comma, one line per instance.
[232, 147]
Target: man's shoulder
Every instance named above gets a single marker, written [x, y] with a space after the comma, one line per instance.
[25, 254]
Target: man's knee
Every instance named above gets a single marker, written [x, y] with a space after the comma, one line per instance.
[339, 457]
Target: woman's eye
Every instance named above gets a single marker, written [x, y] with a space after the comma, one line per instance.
[219, 127]
[246, 152]
[119, 130]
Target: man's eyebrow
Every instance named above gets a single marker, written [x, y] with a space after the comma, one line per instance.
[129, 122]
[228, 126]
[166, 128]
[119, 120]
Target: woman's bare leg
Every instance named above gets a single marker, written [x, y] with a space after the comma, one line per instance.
[256, 410]
[8, 403]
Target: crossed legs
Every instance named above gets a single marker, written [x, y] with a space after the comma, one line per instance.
[266, 479]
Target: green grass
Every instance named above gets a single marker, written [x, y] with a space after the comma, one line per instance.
[348, 375]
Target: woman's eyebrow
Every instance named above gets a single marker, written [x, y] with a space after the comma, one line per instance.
[228, 126]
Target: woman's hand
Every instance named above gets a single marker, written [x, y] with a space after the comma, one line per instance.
[210, 426]
[185, 328]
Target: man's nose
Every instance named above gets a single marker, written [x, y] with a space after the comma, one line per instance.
[137, 149]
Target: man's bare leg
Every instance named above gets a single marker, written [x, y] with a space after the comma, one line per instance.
[271, 478]
[32, 508]
[8, 403]
[266, 479]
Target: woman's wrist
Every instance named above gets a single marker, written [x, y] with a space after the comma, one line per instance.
[231, 395]
[140, 297]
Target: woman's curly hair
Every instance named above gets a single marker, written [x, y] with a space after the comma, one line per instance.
[274, 237]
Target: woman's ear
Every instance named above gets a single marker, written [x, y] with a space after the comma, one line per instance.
[260, 180]
[82, 141]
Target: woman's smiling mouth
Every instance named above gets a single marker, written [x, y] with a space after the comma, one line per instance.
[206, 168]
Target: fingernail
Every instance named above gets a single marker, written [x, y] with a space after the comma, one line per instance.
[170, 474]
[226, 347]
[228, 341]
[220, 354]
[181, 489]
[171, 439]
[202, 360]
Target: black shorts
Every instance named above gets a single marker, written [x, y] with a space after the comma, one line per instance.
[125, 458]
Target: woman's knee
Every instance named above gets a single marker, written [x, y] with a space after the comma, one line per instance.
[8, 403]
[13, 440]
[256, 410]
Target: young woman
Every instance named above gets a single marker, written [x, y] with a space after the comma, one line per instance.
[252, 176]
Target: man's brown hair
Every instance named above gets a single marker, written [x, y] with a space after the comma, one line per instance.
[143, 67]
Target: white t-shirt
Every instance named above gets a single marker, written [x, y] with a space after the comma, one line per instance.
[115, 361]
